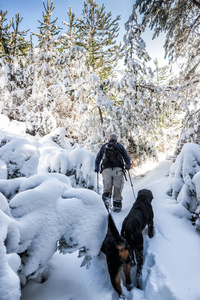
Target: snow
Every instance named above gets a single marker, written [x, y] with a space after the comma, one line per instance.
[171, 269]
[51, 224]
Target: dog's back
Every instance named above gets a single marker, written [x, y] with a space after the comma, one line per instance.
[141, 212]
[117, 253]
[140, 215]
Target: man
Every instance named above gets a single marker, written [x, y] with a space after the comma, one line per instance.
[112, 157]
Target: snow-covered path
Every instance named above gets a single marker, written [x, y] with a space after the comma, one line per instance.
[171, 269]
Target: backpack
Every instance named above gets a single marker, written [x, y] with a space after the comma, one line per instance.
[111, 156]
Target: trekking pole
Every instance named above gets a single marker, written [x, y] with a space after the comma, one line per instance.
[131, 184]
[98, 183]
[124, 172]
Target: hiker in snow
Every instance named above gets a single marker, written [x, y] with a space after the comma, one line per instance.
[112, 157]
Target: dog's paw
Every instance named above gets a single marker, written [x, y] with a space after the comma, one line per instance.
[129, 286]
[122, 296]
[138, 286]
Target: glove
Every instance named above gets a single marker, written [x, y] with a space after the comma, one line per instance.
[127, 168]
[96, 170]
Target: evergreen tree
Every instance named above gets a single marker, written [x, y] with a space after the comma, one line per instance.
[180, 21]
[4, 35]
[12, 40]
[19, 45]
[13, 49]
[97, 33]
[48, 29]
[68, 39]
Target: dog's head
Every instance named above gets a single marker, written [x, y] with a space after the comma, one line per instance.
[124, 250]
[146, 193]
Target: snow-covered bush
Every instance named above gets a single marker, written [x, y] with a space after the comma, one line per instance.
[47, 209]
[74, 162]
[41, 210]
[20, 156]
[9, 260]
[184, 179]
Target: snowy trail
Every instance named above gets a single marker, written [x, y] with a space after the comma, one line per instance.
[171, 269]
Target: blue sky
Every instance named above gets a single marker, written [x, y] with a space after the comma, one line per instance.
[31, 11]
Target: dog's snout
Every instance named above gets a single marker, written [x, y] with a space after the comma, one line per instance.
[123, 252]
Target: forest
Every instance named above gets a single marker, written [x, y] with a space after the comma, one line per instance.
[60, 99]
[69, 78]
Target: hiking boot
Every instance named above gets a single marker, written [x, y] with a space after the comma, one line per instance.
[107, 200]
[117, 205]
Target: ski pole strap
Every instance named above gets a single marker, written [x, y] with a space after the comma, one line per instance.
[124, 172]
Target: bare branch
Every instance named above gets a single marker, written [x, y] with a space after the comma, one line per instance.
[197, 3]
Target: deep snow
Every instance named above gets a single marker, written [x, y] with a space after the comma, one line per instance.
[44, 206]
[171, 269]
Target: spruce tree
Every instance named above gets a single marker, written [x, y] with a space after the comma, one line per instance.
[19, 45]
[48, 29]
[12, 40]
[4, 35]
[68, 39]
[180, 21]
[97, 33]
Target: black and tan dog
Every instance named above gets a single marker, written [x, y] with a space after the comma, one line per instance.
[140, 215]
[118, 256]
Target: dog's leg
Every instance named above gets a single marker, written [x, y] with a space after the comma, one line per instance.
[139, 257]
[150, 226]
[115, 275]
[116, 281]
[150, 230]
[127, 272]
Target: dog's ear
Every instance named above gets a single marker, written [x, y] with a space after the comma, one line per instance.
[112, 227]
[151, 195]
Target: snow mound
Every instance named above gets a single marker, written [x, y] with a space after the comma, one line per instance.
[18, 157]
[57, 156]
[184, 179]
[47, 209]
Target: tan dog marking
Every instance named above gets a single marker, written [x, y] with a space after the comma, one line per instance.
[123, 252]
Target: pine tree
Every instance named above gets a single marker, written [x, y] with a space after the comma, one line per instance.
[180, 21]
[68, 39]
[97, 33]
[14, 48]
[48, 29]
[12, 40]
[19, 45]
[4, 35]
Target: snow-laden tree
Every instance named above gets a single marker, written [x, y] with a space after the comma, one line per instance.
[180, 21]
[12, 87]
[13, 51]
[137, 108]
[68, 39]
[4, 34]
[97, 33]
[18, 44]
[184, 180]
[190, 132]
[183, 97]
[13, 42]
